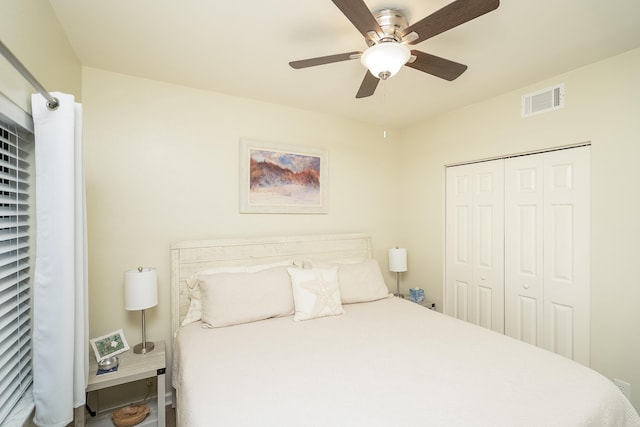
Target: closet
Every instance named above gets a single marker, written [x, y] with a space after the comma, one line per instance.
[517, 248]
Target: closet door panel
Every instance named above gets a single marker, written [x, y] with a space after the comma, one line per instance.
[528, 223]
[474, 244]
[524, 278]
[485, 307]
[458, 242]
[527, 321]
[562, 330]
[460, 300]
[484, 265]
[561, 244]
[488, 247]
[462, 236]
[566, 253]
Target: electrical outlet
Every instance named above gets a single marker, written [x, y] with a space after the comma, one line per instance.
[624, 387]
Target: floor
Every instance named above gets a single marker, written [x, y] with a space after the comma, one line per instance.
[171, 416]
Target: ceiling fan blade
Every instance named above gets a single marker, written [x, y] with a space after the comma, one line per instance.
[321, 60]
[360, 16]
[368, 86]
[450, 16]
[434, 65]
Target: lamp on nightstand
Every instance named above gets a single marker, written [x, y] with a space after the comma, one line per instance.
[140, 293]
[398, 264]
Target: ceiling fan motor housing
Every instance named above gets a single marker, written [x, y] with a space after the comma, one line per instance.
[392, 22]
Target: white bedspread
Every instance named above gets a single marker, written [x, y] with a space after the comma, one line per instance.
[384, 363]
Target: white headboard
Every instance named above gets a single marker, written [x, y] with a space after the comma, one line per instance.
[189, 257]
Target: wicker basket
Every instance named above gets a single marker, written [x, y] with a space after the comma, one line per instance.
[129, 415]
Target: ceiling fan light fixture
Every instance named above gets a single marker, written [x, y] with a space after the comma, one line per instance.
[385, 59]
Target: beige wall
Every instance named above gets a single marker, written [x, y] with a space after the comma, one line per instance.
[162, 165]
[602, 107]
[30, 29]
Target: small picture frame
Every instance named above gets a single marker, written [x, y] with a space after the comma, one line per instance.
[109, 345]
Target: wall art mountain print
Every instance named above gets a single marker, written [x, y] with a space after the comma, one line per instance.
[284, 180]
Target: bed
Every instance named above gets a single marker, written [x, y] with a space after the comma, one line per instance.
[374, 360]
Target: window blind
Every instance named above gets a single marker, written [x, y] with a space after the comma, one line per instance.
[15, 282]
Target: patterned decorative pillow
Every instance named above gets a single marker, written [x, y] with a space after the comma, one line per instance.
[316, 292]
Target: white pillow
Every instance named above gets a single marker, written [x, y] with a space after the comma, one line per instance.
[310, 262]
[234, 298]
[359, 282]
[195, 306]
[352, 260]
[316, 292]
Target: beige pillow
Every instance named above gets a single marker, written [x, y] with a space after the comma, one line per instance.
[195, 306]
[359, 282]
[234, 298]
[362, 282]
[316, 292]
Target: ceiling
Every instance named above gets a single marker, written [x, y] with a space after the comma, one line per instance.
[243, 48]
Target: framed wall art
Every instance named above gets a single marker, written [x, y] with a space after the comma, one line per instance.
[282, 179]
[109, 345]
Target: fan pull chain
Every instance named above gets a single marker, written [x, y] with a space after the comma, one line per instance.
[384, 102]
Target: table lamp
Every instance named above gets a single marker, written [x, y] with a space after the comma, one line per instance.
[398, 264]
[140, 293]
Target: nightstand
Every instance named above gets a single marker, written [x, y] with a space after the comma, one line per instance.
[134, 367]
[427, 304]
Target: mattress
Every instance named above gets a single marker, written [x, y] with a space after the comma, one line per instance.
[384, 363]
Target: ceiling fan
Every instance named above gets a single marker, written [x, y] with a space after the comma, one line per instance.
[387, 33]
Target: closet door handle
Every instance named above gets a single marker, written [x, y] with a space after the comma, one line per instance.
[526, 286]
[483, 278]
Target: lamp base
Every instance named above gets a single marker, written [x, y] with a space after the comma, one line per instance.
[399, 296]
[143, 349]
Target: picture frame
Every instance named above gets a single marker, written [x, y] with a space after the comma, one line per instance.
[109, 345]
[280, 178]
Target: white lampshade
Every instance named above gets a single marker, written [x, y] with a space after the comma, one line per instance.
[385, 59]
[140, 288]
[398, 260]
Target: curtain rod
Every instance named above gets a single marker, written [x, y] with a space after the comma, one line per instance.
[52, 103]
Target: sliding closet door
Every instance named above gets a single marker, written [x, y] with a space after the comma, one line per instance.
[474, 289]
[547, 251]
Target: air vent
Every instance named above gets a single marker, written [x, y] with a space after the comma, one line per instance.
[549, 99]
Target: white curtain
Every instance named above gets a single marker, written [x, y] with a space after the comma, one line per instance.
[60, 319]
